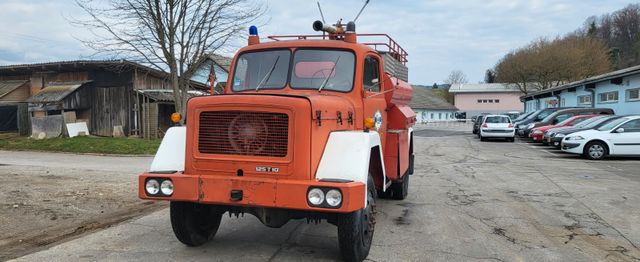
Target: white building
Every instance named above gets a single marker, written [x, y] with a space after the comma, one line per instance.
[430, 107]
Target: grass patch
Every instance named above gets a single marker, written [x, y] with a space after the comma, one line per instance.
[98, 145]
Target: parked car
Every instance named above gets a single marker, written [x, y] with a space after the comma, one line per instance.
[535, 116]
[537, 133]
[497, 126]
[561, 115]
[477, 121]
[554, 136]
[461, 116]
[618, 137]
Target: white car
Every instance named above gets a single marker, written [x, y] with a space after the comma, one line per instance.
[497, 126]
[618, 137]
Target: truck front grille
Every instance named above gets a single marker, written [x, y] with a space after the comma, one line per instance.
[244, 133]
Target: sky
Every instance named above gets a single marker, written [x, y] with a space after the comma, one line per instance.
[439, 35]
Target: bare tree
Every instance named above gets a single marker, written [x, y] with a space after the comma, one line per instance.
[169, 35]
[546, 63]
[456, 77]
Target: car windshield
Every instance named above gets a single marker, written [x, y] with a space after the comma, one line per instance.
[591, 122]
[498, 120]
[523, 116]
[534, 114]
[545, 115]
[311, 69]
[612, 124]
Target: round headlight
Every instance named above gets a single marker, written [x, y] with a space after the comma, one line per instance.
[166, 187]
[560, 135]
[334, 197]
[315, 196]
[152, 186]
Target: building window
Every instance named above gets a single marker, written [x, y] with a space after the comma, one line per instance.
[633, 94]
[439, 115]
[485, 101]
[479, 101]
[431, 116]
[491, 101]
[497, 100]
[562, 102]
[608, 97]
[584, 100]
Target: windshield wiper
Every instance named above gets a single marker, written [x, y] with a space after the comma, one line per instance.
[324, 83]
[268, 75]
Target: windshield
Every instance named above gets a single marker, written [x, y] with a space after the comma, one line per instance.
[575, 121]
[533, 114]
[498, 120]
[261, 70]
[591, 121]
[326, 69]
[319, 69]
[612, 124]
[544, 116]
[523, 116]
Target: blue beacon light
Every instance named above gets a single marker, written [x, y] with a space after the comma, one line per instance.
[253, 30]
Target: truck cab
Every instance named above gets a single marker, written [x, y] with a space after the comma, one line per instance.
[312, 128]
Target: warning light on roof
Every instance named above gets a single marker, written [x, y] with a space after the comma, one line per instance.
[253, 30]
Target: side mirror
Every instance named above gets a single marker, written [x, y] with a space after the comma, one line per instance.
[620, 130]
[473, 120]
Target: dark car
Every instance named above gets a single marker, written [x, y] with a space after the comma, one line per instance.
[556, 135]
[563, 114]
[535, 116]
[477, 121]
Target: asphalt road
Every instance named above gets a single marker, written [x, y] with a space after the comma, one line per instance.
[469, 201]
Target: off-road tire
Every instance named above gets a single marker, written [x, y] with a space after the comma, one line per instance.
[400, 190]
[355, 230]
[194, 224]
[595, 150]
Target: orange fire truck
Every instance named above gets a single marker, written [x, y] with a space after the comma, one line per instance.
[309, 127]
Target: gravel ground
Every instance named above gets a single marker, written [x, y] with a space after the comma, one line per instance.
[46, 197]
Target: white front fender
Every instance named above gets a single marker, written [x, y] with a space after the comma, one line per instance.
[170, 155]
[347, 154]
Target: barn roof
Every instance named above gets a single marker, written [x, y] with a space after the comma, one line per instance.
[56, 92]
[424, 98]
[165, 95]
[8, 86]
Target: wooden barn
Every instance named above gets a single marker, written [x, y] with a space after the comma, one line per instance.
[113, 97]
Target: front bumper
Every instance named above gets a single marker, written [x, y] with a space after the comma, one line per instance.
[536, 137]
[572, 147]
[256, 191]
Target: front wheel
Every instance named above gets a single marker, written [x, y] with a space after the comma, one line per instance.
[355, 230]
[194, 224]
[595, 150]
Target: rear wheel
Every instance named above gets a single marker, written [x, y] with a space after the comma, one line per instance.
[482, 138]
[355, 230]
[194, 224]
[595, 150]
